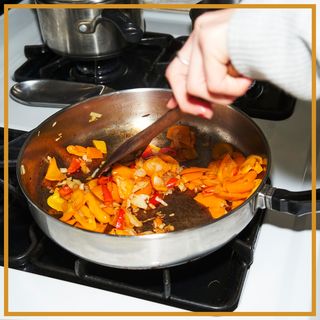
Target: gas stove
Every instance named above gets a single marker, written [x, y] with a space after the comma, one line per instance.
[254, 272]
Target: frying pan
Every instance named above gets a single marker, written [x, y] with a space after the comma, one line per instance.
[125, 113]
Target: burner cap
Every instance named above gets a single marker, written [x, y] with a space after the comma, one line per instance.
[99, 72]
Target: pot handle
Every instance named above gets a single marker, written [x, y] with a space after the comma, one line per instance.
[292, 202]
[128, 29]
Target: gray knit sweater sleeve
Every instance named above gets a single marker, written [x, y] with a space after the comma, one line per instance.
[274, 45]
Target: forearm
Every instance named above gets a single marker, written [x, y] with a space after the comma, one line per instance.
[274, 45]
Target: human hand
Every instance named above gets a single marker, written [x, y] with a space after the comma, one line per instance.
[199, 74]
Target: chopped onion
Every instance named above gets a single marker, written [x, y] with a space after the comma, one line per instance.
[94, 116]
[22, 170]
[140, 200]
[140, 173]
[139, 185]
[161, 201]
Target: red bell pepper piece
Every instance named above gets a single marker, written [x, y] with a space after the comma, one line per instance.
[169, 151]
[65, 191]
[171, 183]
[147, 153]
[153, 199]
[120, 219]
[74, 166]
[107, 196]
[104, 180]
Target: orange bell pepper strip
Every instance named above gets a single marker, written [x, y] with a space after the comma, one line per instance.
[86, 218]
[92, 183]
[125, 186]
[77, 150]
[95, 209]
[123, 171]
[100, 145]
[245, 184]
[67, 215]
[53, 172]
[193, 169]
[240, 187]
[93, 153]
[97, 191]
[210, 201]
[192, 176]
[77, 199]
[217, 212]
[227, 168]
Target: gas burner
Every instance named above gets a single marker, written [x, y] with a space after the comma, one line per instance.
[99, 72]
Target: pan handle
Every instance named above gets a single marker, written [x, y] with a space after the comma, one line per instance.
[293, 202]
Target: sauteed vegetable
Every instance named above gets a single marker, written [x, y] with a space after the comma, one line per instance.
[111, 204]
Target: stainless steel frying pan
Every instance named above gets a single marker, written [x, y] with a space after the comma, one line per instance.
[125, 113]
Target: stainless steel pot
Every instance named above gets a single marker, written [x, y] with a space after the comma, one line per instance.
[123, 114]
[89, 33]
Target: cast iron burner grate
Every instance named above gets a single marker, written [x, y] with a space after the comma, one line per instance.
[143, 66]
[212, 283]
